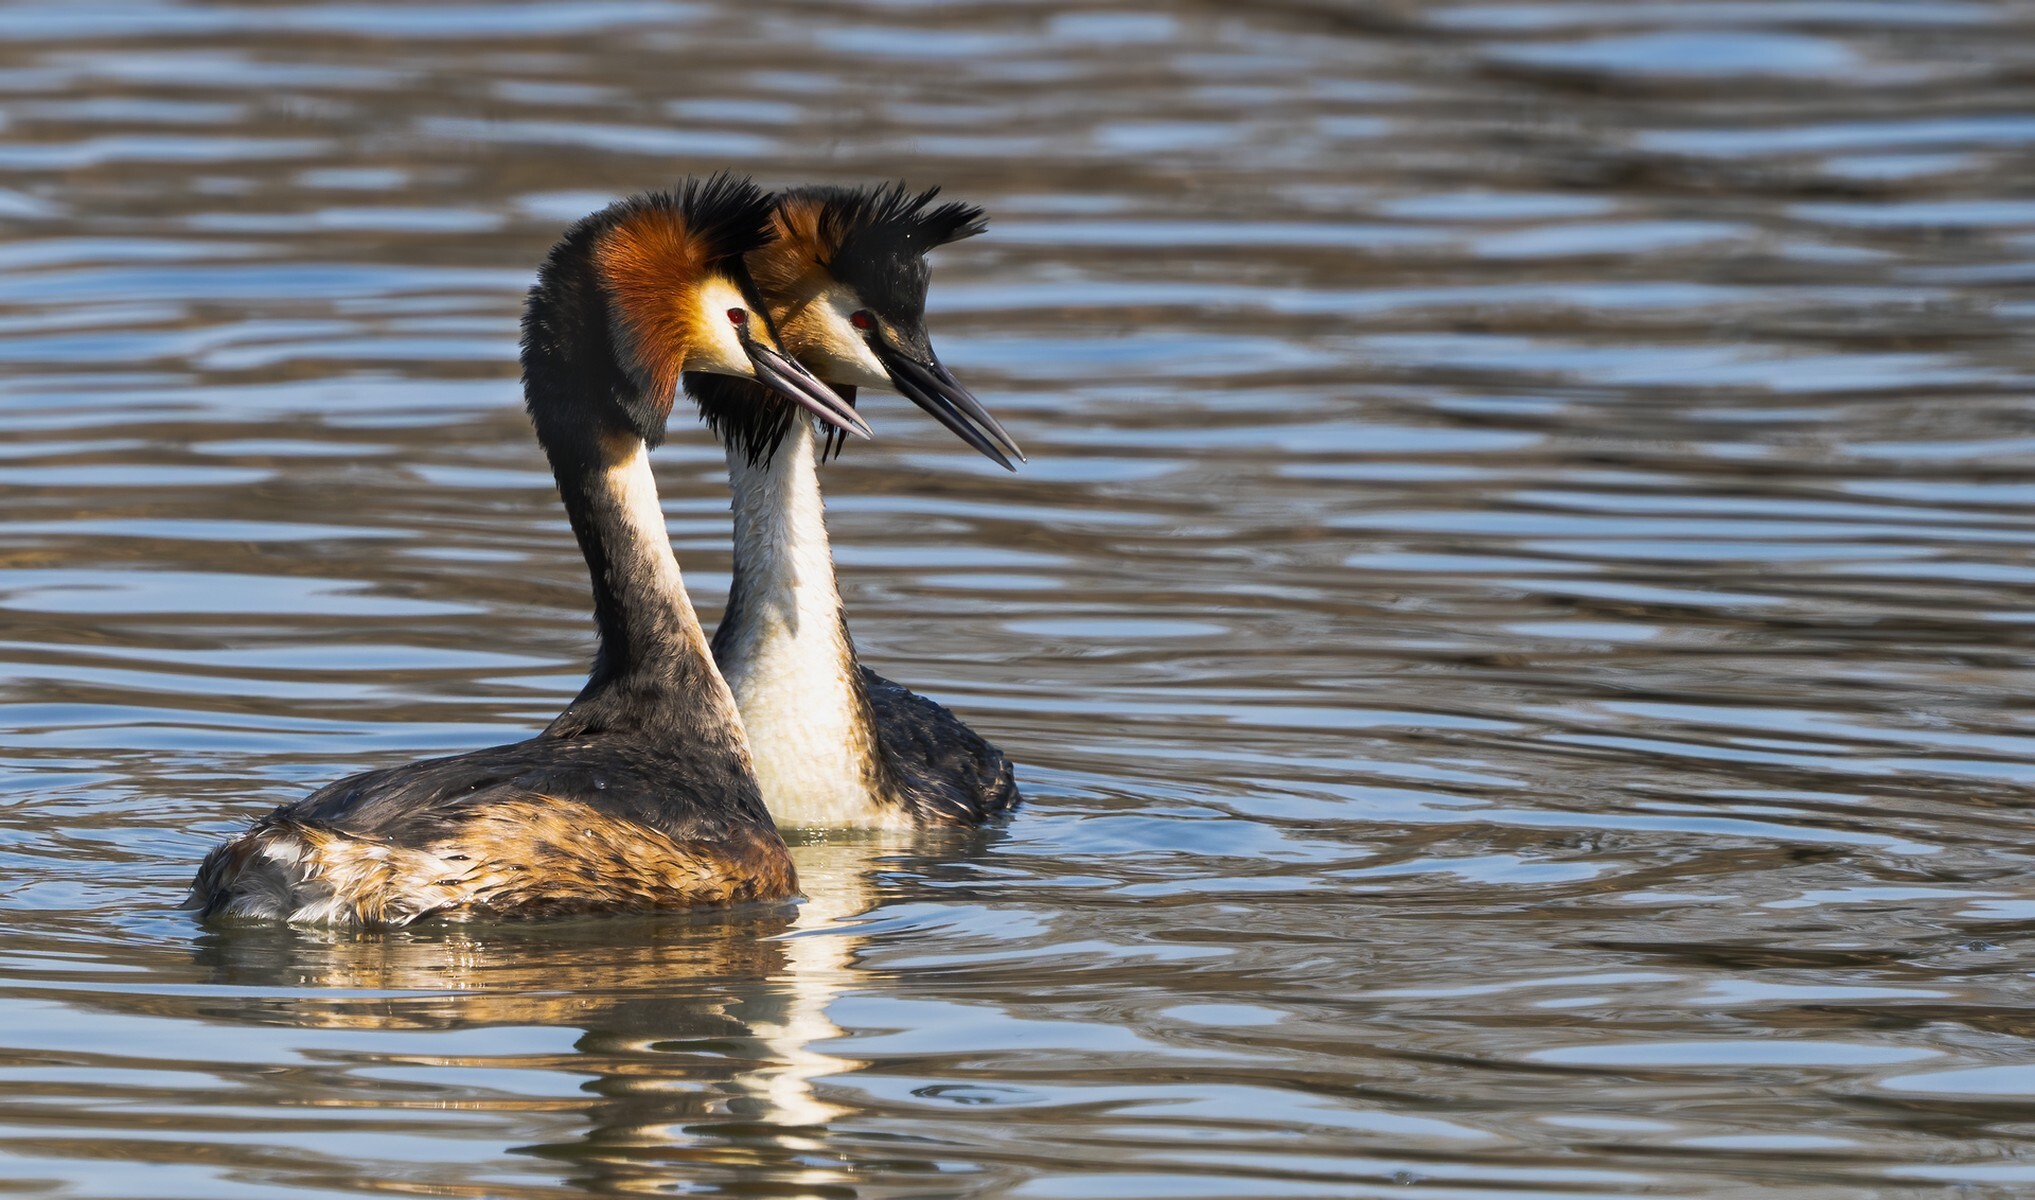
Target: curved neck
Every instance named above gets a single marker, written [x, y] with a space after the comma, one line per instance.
[654, 667]
[784, 646]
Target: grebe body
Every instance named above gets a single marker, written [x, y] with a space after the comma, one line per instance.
[642, 795]
[836, 744]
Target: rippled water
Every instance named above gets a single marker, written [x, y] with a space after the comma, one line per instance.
[1515, 631]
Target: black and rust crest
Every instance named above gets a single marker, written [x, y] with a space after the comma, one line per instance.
[627, 260]
[881, 236]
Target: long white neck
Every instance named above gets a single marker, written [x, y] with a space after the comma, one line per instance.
[655, 671]
[783, 647]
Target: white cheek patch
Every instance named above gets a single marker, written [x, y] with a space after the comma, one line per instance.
[849, 358]
[721, 349]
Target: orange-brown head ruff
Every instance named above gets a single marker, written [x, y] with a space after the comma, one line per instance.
[672, 268]
[625, 300]
[874, 240]
[845, 279]
[542, 856]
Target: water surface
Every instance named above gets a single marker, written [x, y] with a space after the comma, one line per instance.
[1515, 631]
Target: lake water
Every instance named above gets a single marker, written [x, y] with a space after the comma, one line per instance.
[1516, 631]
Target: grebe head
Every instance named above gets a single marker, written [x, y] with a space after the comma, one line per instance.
[845, 279]
[654, 286]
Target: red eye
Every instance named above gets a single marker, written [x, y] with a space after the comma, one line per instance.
[863, 321]
[736, 316]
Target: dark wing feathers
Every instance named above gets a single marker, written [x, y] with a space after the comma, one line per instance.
[946, 772]
[551, 827]
[676, 795]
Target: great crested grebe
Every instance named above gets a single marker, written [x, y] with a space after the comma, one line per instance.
[641, 795]
[836, 744]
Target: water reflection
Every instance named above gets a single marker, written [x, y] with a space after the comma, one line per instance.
[694, 1043]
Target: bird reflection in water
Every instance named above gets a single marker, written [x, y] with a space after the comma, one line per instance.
[705, 1034]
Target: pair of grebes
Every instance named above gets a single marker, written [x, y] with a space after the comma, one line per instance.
[662, 785]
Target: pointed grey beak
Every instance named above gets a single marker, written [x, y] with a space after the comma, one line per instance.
[787, 376]
[934, 388]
